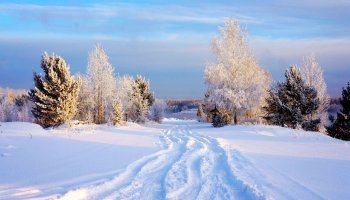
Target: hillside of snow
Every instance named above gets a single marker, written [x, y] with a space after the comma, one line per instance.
[178, 159]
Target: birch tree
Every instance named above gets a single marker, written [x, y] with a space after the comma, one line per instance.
[235, 81]
[123, 92]
[313, 76]
[100, 75]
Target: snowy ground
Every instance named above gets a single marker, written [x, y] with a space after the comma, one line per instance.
[174, 160]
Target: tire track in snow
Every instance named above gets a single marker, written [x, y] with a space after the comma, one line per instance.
[189, 166]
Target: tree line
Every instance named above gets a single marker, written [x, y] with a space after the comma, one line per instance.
[99, 96]
[240, 91]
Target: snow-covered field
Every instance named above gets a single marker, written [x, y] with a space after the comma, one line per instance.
[177, 159]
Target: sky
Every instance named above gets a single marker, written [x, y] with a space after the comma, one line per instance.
[169, 42]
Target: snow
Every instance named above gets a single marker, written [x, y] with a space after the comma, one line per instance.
[178, 159]
[37, 162]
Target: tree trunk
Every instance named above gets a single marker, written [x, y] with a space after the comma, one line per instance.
[235, 118]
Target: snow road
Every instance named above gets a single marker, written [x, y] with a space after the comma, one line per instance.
[189, 166]
[178, 159]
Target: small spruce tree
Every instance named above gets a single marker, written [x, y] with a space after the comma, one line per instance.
[220, 117]
[55, 94]
[340, 127]
[117, 114]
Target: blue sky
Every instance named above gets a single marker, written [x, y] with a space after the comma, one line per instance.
[169, 41]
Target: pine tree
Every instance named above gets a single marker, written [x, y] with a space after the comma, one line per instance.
[140, 100]
[117, 116]
[275, 108]
[200, 112]
[293, 103]
[340, 127]
[55, 94]
[144, 88]
[220, 117]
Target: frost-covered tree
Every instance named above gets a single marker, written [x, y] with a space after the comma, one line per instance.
[85, 107]
[123, 92]
[55, 93]
[292, 102]
[15, 105]
[140, 100]
[117, 114]
[7, 107]
[102, 83]
[22, 108]
[340, 127]
[157, 110]
[200, 112]
[313, 77]
[235, 81]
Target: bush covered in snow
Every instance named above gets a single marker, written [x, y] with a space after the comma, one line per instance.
[157, 110]
[220, 117]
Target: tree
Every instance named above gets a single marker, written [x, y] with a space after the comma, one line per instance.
[85, 107]
[7, 107]
[55, 93]
[140, 100]
[235, 81]
[15, 105]
[313, 76]
[102, 82]
[220, 117]
[292, 103]
[340, 127]
[209, 106]
[200, 113]
[157, 110]
[22, 108]
[117, 116]
[123, 92]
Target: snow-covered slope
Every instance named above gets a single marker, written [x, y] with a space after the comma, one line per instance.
[174, 160]
[38, 163]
